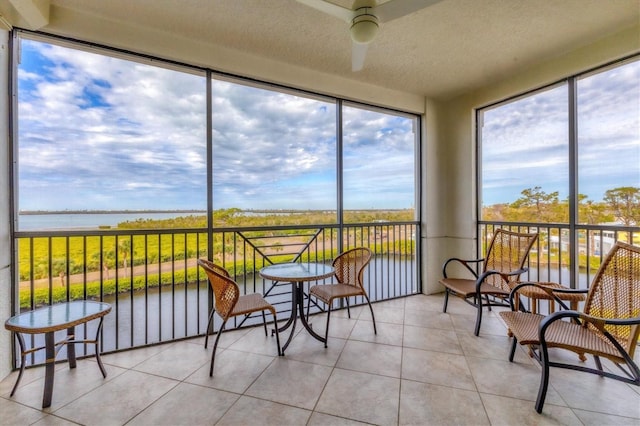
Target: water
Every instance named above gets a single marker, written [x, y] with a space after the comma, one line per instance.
[39, 222]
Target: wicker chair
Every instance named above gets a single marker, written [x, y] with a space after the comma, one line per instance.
[349, 269]
[229, 303]
[222, 271]
[608, 326]
[503, 265]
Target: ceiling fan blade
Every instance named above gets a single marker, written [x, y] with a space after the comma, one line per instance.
[330, 9]
[398, 8]
[358, 53]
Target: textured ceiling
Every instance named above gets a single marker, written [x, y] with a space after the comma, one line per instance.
[443, 50]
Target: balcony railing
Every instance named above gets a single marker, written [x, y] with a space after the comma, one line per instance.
[158, 293]
[555, 258]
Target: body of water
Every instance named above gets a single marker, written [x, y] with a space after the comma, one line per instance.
[40, 222]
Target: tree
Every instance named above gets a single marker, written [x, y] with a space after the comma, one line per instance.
[592, 213]
[535, 205]
[624, 204]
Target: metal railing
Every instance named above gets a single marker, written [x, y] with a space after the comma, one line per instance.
[554, 258]
[157, 291]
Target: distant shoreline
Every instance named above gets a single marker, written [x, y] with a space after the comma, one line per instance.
[190, 211]
[49, 212]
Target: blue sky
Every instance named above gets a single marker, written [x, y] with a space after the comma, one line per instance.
[525, 142]
[98, 132]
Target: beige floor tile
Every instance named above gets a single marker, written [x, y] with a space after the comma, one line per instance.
[431, 339]
[52, 420]
[372, 358]
[356, 311]
[14, 413]
[360, 396]
[384, 314]
[68, 384]
[422, 302]
[338, 327]
[590, 392]
[590, 418]
[509, 379]
[255, 341]
[510, 411]
[291, 382]
[428, 319]
[491, 346]
[187, 404]
[398, 303]
[387, 333]
[29, 375]
[251, 411]
[117, 401]
[177, 362]
[320, 419]
[129, 359]
[234, 371]
[306, 348]
[425, 404]
[491, 324]
[437, 368]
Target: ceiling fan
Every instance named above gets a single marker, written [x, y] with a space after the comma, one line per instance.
[364, 19]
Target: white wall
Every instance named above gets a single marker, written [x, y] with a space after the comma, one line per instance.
[5, 241]
[451, 174]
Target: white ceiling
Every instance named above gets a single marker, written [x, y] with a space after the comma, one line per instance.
[443, 50]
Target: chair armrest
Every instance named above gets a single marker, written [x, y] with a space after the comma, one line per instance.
[464, 262]
[599, 323]
[504, 275]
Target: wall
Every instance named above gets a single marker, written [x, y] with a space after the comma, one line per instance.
[5, 241]
[451, 173]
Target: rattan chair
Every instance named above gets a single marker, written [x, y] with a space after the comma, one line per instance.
[503, 265]
[229, 303]
[222, 271]
[349, 270]
[608, 326]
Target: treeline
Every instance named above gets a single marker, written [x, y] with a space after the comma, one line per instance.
[235, 217]
[620, 205]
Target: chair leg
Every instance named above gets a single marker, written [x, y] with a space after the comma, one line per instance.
[209, 327]
[446, 300]
[326, 333]
[264, 322]
[375, 330]
[275, 327]
[308, 306]
[215, 346]
[478, 318]
[544, 379]
[348, 310]
[513, 349]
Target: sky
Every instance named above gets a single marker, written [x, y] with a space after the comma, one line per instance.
[525, 142]
[102, 133]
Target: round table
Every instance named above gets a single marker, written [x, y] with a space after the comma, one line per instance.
[297, 273]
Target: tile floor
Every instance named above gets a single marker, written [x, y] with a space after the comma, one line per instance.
[422, 368]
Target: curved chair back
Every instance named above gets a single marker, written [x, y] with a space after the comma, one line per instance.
[507, 252]
[225, 290]
[615, 293]
[349, 266]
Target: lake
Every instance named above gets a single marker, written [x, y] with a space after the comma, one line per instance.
[40, 222]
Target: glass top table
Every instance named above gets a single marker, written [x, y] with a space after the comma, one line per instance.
[297, 274]
[48, 320]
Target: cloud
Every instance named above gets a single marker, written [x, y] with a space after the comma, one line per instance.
[525, 143]
[99, 132]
